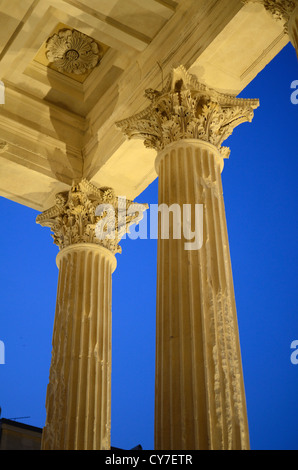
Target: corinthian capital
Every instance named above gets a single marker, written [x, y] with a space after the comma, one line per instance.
[280, 9]
[187, 109]
[87, 214]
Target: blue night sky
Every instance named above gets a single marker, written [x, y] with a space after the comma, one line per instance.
[260, 190]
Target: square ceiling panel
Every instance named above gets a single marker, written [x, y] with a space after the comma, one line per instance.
[71, 53]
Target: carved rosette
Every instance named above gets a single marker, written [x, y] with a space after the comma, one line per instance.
[187, 109]
[73, 52]
[280, 9]
[74, 217]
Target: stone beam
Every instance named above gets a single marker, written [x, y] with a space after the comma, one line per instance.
[285, 11]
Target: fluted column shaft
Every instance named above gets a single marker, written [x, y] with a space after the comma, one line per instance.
[200, 399]
[87, 224]
[78, 397]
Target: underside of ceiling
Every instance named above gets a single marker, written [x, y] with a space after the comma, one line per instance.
[72, 69]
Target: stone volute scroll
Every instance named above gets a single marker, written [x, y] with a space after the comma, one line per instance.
[188, 109]
[74, 218]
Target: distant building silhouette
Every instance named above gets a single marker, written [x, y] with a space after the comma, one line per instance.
[19, 436]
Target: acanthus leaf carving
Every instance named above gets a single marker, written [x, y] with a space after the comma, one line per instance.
[73, 219]
[187, 109]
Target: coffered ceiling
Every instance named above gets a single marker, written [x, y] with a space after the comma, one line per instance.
[72, 68]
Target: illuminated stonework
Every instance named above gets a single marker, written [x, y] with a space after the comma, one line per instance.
[64, 93]
[187, 109]
[280, 9]
[199, 390]
[80, 373]
[73, 219]
[73, 52]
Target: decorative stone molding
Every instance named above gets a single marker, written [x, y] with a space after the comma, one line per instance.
[73, 52]
[74, 218]
[187, 109]
[280, 9]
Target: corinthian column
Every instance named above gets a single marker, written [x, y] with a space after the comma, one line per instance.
[78, 399]
[200, 398]
[285, 11]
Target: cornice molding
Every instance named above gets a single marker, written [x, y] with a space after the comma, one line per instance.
[187, 109]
